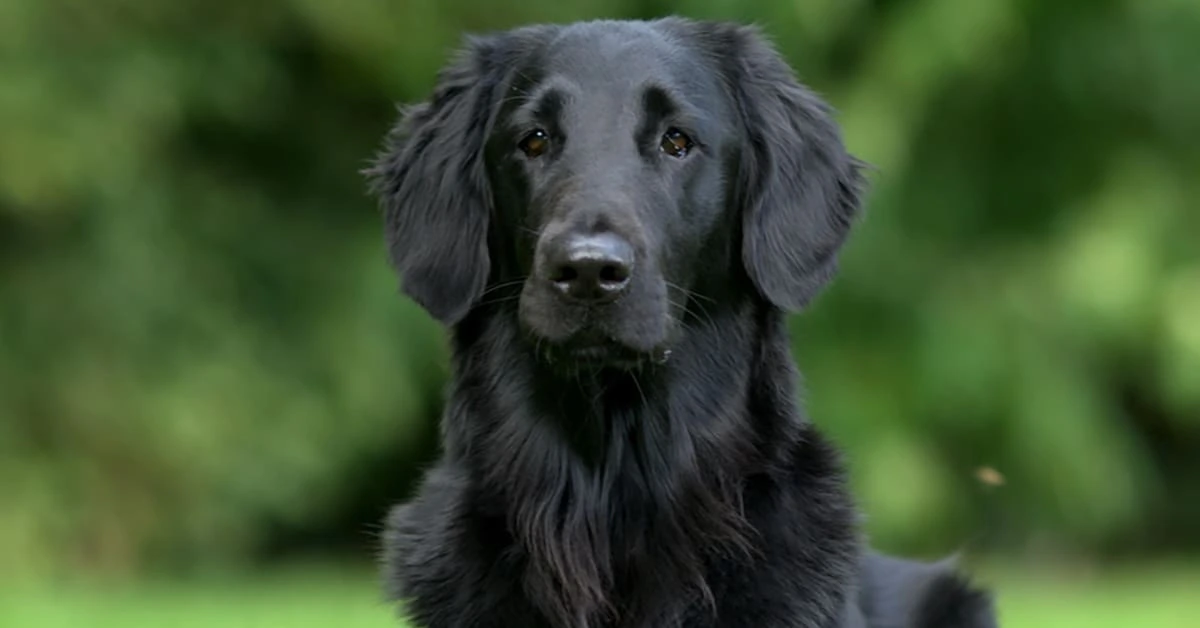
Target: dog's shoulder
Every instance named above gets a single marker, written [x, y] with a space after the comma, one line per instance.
[448, 557]
[806, 543]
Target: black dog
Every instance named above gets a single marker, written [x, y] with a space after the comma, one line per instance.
[613, 218]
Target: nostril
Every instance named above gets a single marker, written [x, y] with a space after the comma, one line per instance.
[565, 274]
[614, 273]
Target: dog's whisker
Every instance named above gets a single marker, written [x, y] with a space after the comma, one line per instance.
[509, 298]
[690, 293]
[703, 314]
[638, 386]
[504, 284]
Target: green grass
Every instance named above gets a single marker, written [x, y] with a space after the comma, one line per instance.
[299, 598]
[1162, 597]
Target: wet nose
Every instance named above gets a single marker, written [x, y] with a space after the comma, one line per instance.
[592, 268]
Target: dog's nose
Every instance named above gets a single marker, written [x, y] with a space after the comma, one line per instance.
[591, 267]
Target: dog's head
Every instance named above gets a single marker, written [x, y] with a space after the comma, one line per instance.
[601, 176]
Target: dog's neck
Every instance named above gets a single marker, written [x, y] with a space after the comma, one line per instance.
[593, 471]
[729, 364]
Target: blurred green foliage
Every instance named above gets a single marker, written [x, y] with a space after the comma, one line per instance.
[200, 338]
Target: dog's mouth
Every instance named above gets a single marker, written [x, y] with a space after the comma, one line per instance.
[632, 333]
[602, 354]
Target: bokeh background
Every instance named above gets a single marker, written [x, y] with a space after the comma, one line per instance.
[211, 389]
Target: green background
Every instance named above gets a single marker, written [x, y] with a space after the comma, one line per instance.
[210, 387]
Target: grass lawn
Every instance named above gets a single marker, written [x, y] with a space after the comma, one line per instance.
[1160, 597]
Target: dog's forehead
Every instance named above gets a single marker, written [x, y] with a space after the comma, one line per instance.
[601, 58]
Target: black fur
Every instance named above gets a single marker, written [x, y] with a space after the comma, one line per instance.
[644, 463]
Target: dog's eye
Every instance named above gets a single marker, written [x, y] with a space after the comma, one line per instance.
[535, 143]
[676, 143]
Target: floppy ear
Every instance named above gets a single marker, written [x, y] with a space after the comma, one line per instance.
[433, 188]
[800, 188]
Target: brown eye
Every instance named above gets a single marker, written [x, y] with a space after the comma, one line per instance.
[676, 143]
[535, 143]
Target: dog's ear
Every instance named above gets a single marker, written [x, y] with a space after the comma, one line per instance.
[433, 187]
[798, 187]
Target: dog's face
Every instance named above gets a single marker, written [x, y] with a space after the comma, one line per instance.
[607, 174]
